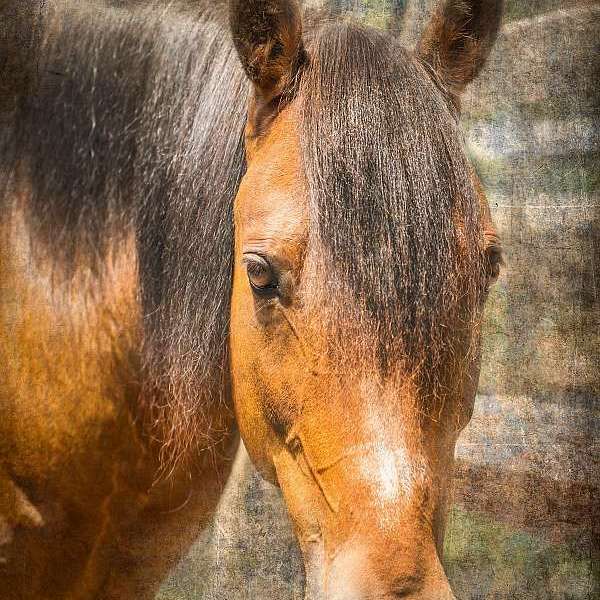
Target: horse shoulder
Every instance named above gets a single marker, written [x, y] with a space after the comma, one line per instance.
[70, 449]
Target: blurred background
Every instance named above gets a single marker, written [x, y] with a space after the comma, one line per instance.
[526, 519]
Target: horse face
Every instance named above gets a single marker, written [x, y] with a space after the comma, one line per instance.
[363, 476]
[363, 471]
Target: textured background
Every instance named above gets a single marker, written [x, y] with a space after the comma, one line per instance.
[526, 519]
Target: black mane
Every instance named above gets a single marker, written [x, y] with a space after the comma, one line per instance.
[394, 212]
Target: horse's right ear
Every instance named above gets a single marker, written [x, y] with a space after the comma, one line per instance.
[458, 39]
[268, 37]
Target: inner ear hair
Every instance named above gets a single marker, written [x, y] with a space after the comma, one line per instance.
[458, 39]
[494, 255]
[268, 37]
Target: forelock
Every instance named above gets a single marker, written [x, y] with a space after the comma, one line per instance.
[394, 216]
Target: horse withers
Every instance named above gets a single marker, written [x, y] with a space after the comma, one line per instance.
[321, 275]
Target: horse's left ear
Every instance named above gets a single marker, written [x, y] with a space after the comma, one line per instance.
[459, 38]
[268, 38]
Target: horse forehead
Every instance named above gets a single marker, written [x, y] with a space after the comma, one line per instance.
[274, 156]
[273, 193]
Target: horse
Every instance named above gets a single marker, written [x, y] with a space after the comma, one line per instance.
[225, 220]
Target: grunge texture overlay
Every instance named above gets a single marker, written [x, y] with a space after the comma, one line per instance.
[526, 519]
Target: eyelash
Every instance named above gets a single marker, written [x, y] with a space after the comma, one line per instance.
[264, 291]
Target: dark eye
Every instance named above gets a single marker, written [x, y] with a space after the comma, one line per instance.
[261, 275]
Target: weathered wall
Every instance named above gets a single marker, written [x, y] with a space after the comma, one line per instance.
[526, 518]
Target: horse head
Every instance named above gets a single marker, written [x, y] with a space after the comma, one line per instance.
[363, 254]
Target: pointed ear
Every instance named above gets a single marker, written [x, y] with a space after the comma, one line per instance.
[458, 39]
[268, 38]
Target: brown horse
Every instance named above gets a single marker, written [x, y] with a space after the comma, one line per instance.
[326, 287]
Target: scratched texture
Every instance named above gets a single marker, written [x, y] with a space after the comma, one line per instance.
[525, 522]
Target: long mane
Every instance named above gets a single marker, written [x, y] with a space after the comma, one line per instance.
[128, 119]
[395, 216]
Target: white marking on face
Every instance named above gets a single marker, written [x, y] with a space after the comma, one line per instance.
[388, 470]
[393, 473]
[388, 467]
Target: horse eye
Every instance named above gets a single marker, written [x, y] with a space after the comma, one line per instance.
[261, 275]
